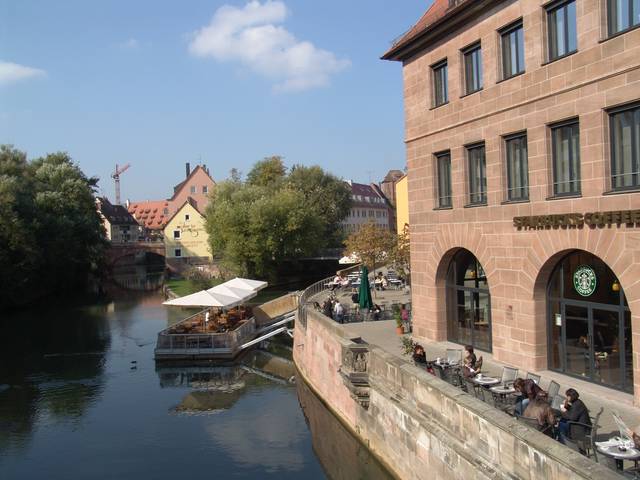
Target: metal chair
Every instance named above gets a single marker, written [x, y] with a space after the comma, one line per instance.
[585, 435]
[552, 391]
[454, 355]
[509, 375]
[556, 401]
[534, 377]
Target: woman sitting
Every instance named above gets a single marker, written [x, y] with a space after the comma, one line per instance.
[542, 412]
[573, 410]
[419, 356]
[529, 391]
[469, 362]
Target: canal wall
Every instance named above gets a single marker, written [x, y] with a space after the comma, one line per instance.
[418, 425]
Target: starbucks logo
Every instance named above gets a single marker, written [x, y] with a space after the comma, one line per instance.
[584, 280]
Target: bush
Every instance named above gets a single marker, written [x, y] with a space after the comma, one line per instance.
[200, 279]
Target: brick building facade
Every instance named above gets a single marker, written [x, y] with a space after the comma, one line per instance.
[522, 128]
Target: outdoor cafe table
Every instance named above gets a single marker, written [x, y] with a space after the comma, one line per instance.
[486, 381]
[611, 448]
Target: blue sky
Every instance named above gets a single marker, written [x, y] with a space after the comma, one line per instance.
[160, 83]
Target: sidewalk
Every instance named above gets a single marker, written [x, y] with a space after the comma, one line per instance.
[382, 334]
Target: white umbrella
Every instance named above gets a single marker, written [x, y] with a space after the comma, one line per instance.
[246, 284]
[204, 298]
[240, 293]
[353, 258]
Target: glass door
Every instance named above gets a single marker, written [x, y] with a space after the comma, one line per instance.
[578, 351]
[608, 349]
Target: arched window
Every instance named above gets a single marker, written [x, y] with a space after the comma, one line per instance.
[589, 322]
[468, 302]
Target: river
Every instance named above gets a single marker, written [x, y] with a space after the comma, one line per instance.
[81, 397]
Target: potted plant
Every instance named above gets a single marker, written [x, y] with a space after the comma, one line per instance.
[397, 316]
[408, 345]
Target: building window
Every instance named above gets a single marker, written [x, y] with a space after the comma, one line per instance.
[512, 41]
[565, 139]
[624, 125]
[440, 89]
[517, 167]
[187, 217]
[477, 175]
[623, 14]
[443, 164]
[205, 189]
[193, 189]
[176, 234]
[473, 68]
[561, 26]
[177, 252]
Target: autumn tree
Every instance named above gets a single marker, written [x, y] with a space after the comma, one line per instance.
[372, 244]
[399, 254]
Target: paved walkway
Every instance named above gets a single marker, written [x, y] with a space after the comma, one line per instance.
[382, 333]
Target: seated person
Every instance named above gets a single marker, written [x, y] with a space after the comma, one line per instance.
[542, 412]
[419, 355]
[336, 282]
[376, 312]
[384, 284]
[529, 390]
[573, 410]
[344, 283]
[355, 297]
[469, 362]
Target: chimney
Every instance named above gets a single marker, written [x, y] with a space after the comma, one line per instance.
[188, 169]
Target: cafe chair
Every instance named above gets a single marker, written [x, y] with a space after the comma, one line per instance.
[552, 391]
[556, 401]
[454, 355]
[509, 375]
[584, 436]
[534, 377]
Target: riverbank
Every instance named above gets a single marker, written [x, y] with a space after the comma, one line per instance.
[417, 424]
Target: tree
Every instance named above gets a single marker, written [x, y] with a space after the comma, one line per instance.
[267, 172]
[371, 244]
[329, 196]
[400, 254]
[52, 237]
[255, 225]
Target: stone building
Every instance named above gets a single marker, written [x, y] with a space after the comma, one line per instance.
[118, 223]
[523, 152]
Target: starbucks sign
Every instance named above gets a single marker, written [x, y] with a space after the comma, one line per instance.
[584, 280]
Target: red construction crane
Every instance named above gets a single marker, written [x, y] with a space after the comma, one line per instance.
[116, 176]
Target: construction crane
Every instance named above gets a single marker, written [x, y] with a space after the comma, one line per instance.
[116, 176]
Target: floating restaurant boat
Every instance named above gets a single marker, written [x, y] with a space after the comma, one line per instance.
[225, 326]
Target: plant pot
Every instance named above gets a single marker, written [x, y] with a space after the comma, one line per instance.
[400, 330]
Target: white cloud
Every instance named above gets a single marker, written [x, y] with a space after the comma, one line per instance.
[130, 44]
[13, 72]
[252, 37]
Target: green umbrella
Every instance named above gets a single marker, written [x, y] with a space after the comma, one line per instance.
[364, 293]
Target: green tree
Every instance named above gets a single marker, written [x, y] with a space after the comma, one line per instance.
[329, 196]
[400, 255]
[53, 237]
[273, 216]
[267, 172]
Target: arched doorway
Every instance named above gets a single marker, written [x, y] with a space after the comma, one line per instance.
[468, 302]
[589, 322]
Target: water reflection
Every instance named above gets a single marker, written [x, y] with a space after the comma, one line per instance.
[139, 277]
[343, 456]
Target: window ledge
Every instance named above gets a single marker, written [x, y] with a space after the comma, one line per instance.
[617, 34]
[443, 208]
[563, 197]
[559, 58]
[474, 205]
[471, 93]
[512, 76]
[509, 202]
[438, 106]
[621, 191]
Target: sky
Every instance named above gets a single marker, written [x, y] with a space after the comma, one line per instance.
[158, 83]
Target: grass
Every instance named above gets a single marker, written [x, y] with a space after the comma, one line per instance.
[182, 286]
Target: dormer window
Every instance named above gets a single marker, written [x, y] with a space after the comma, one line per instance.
[187, 217]
[193, 189]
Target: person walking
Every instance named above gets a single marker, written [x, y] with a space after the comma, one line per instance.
[338, 311]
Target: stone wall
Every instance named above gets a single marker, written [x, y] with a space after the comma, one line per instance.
[418, 425]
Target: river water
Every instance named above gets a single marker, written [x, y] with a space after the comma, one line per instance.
[81, 397]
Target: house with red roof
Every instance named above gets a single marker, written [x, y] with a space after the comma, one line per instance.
[154, 215]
